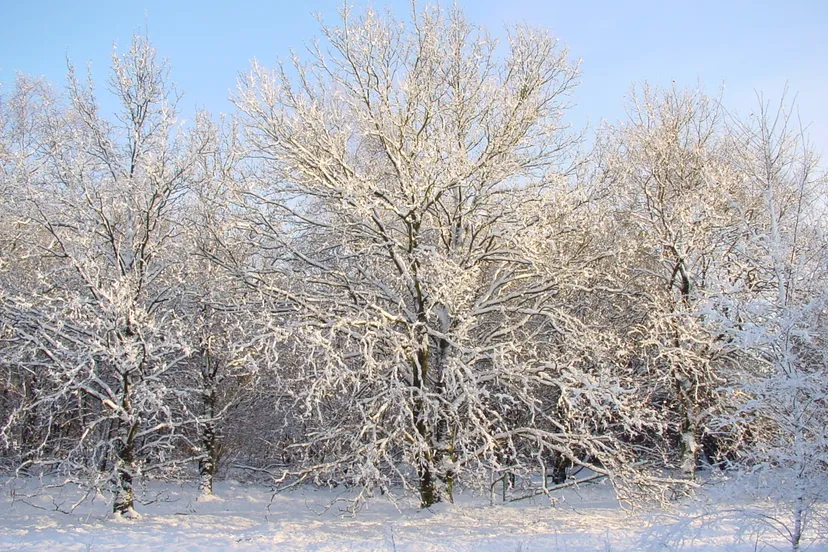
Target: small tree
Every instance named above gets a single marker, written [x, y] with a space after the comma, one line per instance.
[670, 173]
[24, 126]
[93, 325]
[776, 313]
[232, 344]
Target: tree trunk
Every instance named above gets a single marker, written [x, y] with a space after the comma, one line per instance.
[429, 494]
[685, 386]
[125, 455]
[207, 462]
[559, 469]
[125, 465]
[444, 456]
[796, 534]
[688, 446]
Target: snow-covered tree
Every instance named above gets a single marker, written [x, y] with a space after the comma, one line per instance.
[416, 204]
[670, 174]
[92, 326]
[25, 125]
[394, 267]
[775, 309]
[233, 344]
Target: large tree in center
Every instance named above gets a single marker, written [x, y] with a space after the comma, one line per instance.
[416, 203]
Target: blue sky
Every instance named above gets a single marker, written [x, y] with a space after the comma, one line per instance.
[748, 46]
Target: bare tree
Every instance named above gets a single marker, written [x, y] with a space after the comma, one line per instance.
[776, 313]
[674, 184]
[94, 326]
[233, 346]
[24, 127]
[416, 203]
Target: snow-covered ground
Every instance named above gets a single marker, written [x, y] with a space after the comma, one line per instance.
[245, 518]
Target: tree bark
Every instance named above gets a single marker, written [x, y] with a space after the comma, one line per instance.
[444, 456]
[688, 446]
[209, 443]
[429, 494]
[124, 503]
[125, 455]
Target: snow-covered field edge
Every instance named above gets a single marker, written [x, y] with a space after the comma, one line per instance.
[248, 517]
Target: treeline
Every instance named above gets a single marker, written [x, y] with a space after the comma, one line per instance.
[395, 266]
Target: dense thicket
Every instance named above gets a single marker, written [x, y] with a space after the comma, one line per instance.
[395, 267]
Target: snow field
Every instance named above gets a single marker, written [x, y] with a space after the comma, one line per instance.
[243, 517]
